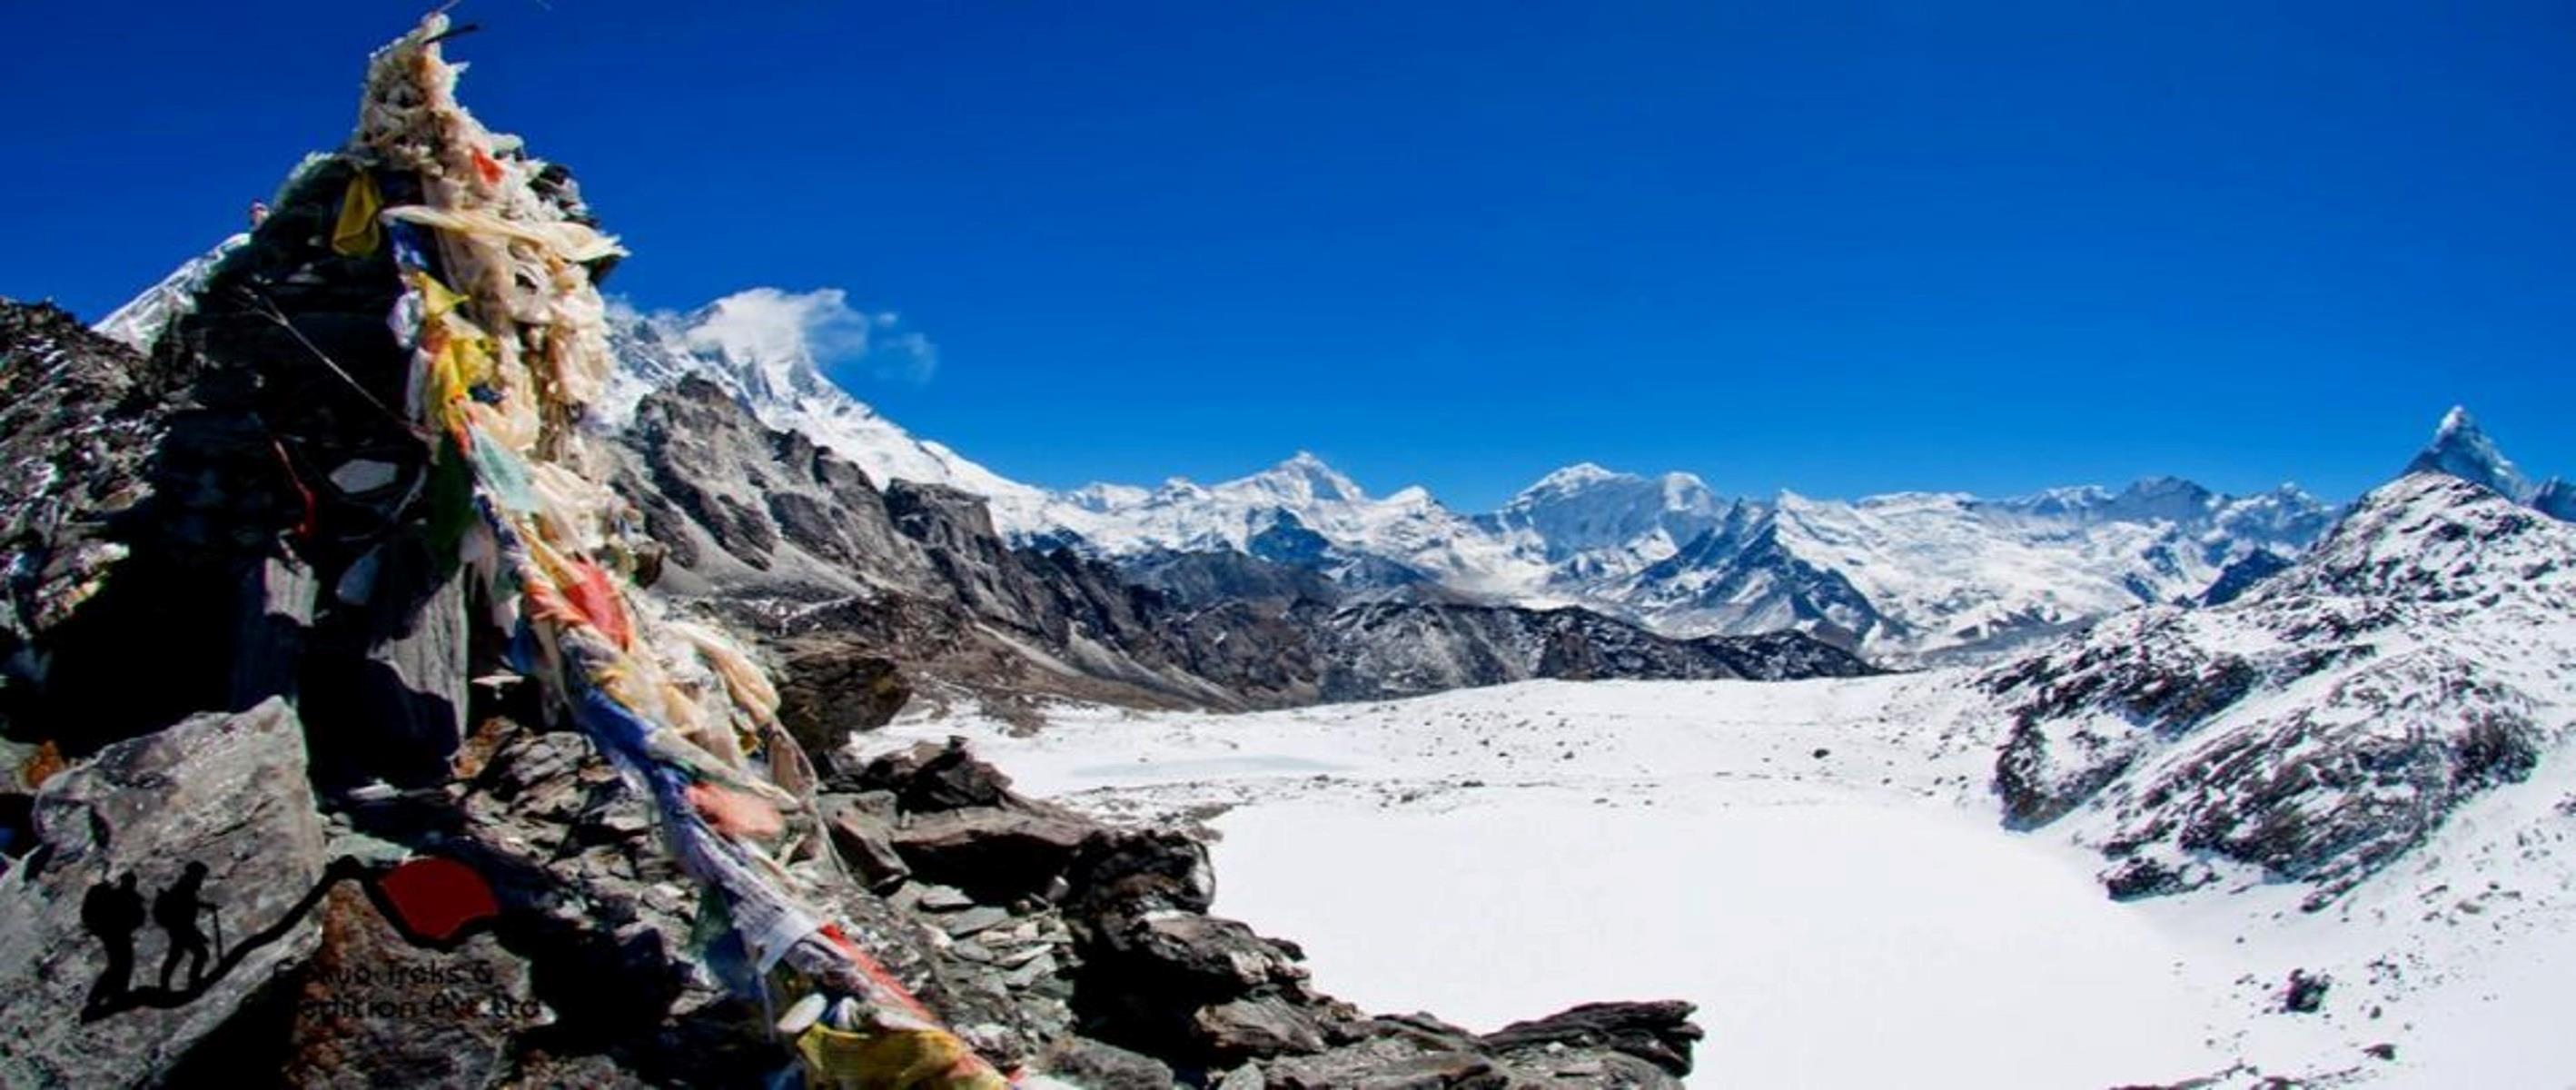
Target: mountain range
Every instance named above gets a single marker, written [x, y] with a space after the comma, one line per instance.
[1905, 579]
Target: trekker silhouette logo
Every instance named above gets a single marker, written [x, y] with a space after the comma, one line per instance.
[433, 902]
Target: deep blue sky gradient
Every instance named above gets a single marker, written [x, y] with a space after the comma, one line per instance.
[1830, 247]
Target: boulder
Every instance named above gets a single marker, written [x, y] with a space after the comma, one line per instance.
[1151, 868]
[865, 842]
[223, 792]
[829, 689]
[1257, 1028]
[931, 777]
[995, 855]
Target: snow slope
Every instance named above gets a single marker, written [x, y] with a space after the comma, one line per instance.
[1525, 848]
[1819, 865]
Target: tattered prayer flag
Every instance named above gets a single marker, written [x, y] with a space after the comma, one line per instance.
[590, 593]
[437, 897]
[357, 233]
[734, 813]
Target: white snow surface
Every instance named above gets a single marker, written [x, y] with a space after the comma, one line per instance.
[1856, 918]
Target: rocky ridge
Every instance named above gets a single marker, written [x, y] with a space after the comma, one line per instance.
[2319, 726]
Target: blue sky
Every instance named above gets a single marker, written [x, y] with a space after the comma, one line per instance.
[1833, 248]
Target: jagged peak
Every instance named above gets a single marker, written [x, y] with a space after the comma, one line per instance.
[2461, 449]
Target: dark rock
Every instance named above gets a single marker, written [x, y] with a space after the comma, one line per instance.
[2140, 876]
[2305, 993]
[1660, 1033]
[972, 920]
[865, 842]
[1378, 1067]
[2243, 575]
[930, 777]
[1094, 1065]
[1141, 869]
[830, 689]
[995, 855]
[376, 1010]
[1257, 1028]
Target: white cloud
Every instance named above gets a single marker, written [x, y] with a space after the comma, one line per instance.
[820, 327]
[903, 357]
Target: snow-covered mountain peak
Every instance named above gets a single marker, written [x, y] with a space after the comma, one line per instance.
[765, 347]
[1572, 477]
[140, 321]
[1590, 521]
[1301, 481]
[768, 341]
[2462, 450]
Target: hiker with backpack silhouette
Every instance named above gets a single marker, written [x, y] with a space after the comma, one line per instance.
[113, 913]
[176, 909]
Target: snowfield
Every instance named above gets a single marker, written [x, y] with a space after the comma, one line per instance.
[1821, 867]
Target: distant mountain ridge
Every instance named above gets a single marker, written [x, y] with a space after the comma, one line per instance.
[1903, 578]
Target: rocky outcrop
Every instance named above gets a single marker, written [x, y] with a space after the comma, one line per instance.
[2320, 726]
[1388, 649]
[1117, 920]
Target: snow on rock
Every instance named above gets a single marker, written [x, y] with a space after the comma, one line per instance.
[140, 321]
[2322, 725]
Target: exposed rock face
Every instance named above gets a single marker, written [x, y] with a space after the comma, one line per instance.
[2239, 577]
[228, 792]
[2321, 725]
[78, 422]
[1387, 649]
[128, 500]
